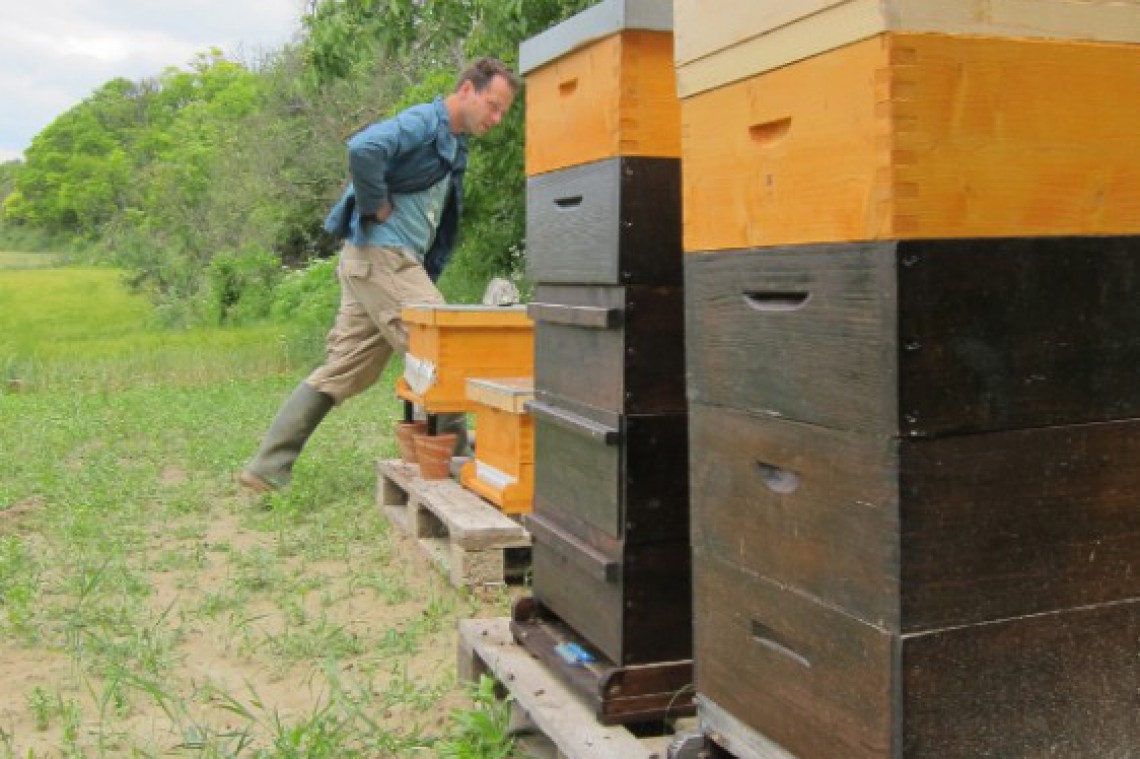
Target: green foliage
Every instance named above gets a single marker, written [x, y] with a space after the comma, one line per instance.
[179, 177]
[240, 286]
[480, 732]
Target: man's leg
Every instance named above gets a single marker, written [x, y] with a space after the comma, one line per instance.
[355, 355]
[404, 282]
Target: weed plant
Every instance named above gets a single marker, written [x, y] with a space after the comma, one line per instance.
[147, 608]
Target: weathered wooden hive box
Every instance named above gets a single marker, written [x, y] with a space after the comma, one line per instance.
[449, 344]
[503, 468]
[912, 235]
[611, 509]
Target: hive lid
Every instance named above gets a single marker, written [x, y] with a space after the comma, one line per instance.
[602, 20]
[465, 315]
[506, 393]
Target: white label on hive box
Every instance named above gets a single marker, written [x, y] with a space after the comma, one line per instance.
[419, 373]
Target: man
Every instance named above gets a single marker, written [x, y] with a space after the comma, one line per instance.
[399, 218]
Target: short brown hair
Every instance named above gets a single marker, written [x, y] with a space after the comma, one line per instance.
[483, 70]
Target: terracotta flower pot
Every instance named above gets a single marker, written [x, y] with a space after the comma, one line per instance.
[405, 438]
[434, 454]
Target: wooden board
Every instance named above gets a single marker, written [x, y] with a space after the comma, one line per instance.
[547, 711]
[634, 604]
[817, 684]
[617, 97]
[611, 222]
[721, 41]
[472, 542]
[915, 535]
[618, 349]
[922, 338]
[630, 481]
[918, 136]
[506, 394]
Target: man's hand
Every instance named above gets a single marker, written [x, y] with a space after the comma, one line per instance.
[383, 212]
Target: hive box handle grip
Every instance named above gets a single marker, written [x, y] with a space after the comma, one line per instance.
[768, 133]
[778, 480]
[768, 638]
[569, 202]
[773, 300]
[566, 88]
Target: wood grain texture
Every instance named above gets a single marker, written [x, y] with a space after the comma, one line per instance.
[611, 222]
[922, 338]
[635, 488]
[813, 680]
[463, 342]
[917, 136]
[819, 684]
[1038, 687]
[615, 97]
[634, 366]
[721, 41]
[643, 616]
[918, 535]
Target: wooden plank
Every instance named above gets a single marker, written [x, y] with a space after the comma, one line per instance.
[506, 393]
[1060, 684]
[547, 706]
[643, 617]
[917, 136]
[635, 365]
[472, 541]
[811, 679]
[721, 41]
[616, 96]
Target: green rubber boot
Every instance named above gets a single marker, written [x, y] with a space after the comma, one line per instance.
[272, 467]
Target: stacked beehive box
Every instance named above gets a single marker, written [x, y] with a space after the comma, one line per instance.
[610, 520]
[912, 269]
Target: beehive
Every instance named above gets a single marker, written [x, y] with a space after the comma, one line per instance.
[918, 136]
[721, 41]
[448, 344]
[503, 468]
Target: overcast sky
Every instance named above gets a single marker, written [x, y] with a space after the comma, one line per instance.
[54, 53]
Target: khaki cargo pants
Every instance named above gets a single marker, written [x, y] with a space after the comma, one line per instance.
[375, 285]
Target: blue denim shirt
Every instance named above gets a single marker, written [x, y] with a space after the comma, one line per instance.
[409, 152]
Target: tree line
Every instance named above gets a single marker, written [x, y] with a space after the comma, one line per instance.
[208, 182]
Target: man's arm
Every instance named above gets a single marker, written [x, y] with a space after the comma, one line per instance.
[373, 150]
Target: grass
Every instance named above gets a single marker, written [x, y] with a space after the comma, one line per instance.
[147, 608]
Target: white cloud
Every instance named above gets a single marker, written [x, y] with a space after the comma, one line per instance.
[54, 53]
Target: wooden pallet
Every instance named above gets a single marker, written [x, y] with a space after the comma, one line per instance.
[548, 718]
[472, 541]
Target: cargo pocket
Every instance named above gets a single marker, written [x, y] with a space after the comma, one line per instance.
[354, 269]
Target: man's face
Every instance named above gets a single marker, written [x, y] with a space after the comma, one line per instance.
[484, 110]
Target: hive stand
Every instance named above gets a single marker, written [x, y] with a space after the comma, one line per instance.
[550, 720]
[472, 541]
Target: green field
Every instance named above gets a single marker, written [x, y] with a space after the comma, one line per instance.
[149, 608]
[74, 328]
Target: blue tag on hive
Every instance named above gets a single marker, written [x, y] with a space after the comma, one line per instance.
[572, 653]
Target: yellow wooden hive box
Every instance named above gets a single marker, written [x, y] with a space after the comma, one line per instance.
[614, 98]
[503, 468]
[918, 136]
[720, 41]
[447, 344]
